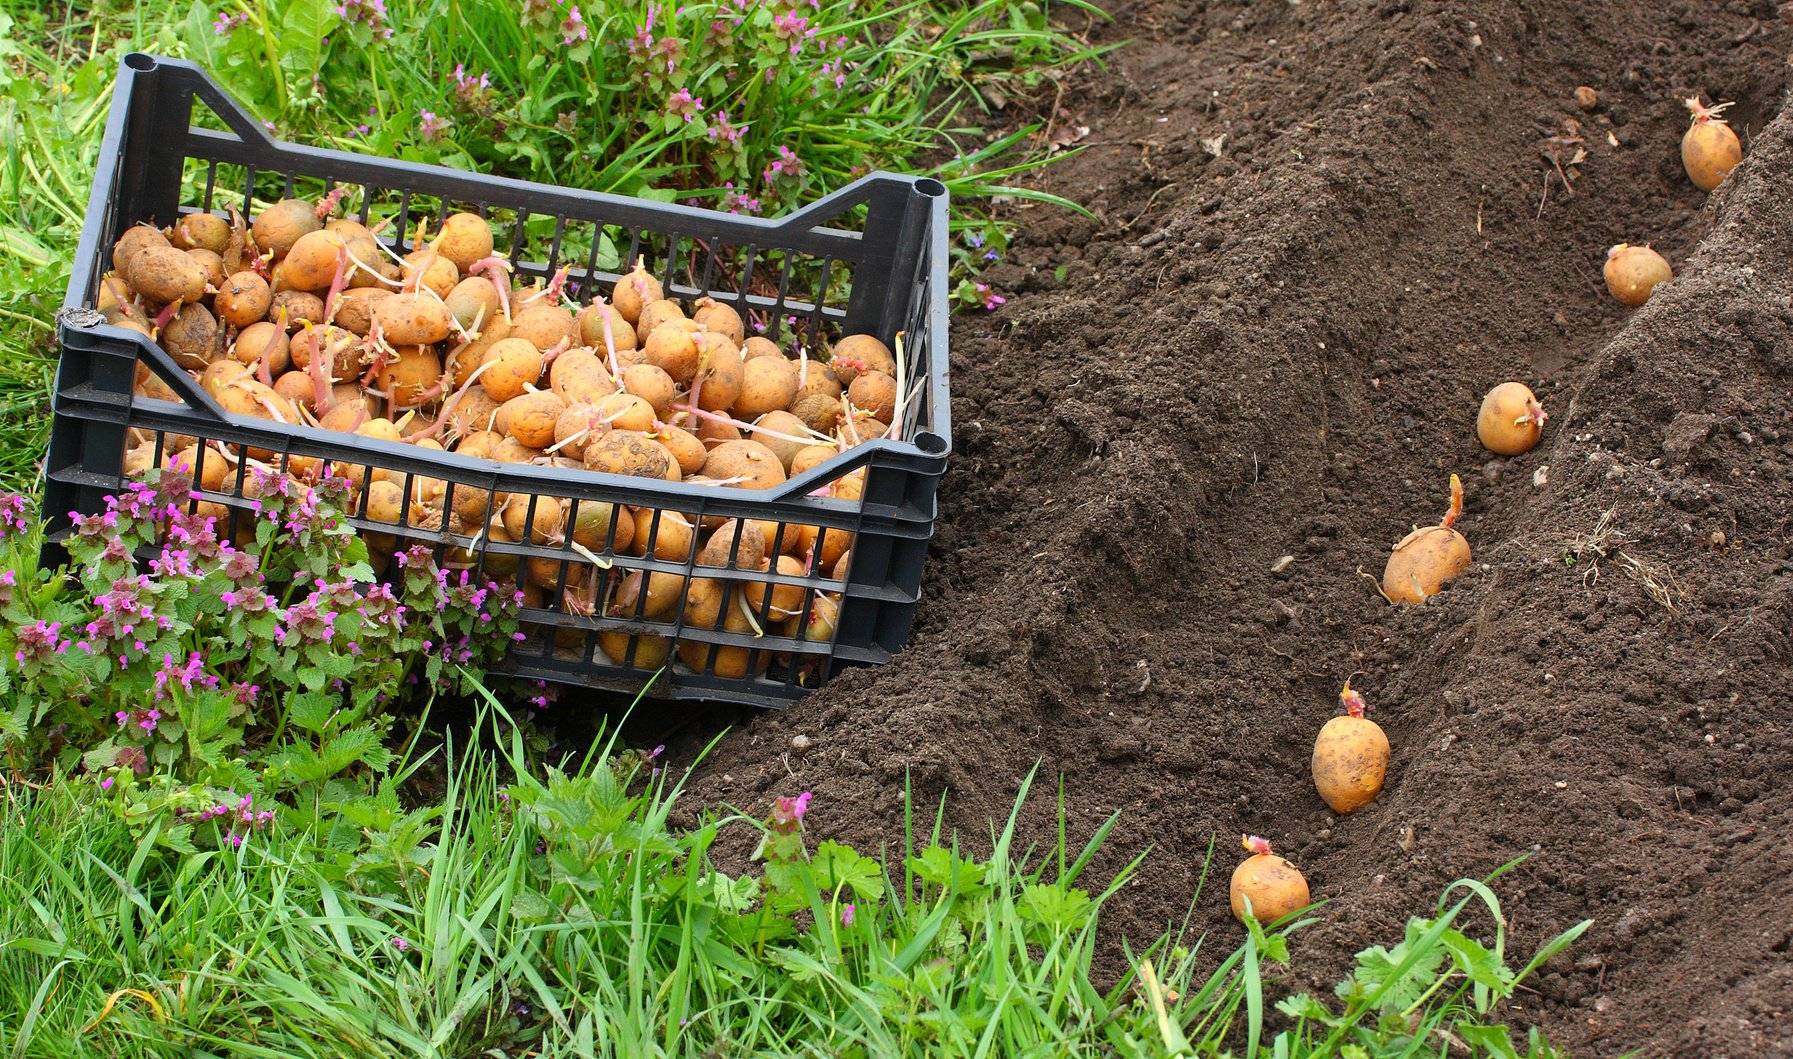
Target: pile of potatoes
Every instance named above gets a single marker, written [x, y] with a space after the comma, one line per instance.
[308, 319]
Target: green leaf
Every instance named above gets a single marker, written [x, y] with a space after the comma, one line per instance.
[1379, 969]
[947, 870]
[1056, 908]
[360, 571]
[841, 868]
[1479, 963]
[307, 23]
[310, 710]
[1305, 1006]
[1495, 1040]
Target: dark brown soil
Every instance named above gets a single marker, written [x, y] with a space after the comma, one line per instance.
[1280, 351]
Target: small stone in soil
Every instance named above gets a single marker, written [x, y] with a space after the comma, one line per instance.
[800, 744]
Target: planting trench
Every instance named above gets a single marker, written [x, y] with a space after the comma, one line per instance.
[1275, 345]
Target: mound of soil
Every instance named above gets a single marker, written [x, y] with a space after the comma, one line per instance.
[1326, 228]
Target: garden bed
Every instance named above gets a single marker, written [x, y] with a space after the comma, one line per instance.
[1273, 345]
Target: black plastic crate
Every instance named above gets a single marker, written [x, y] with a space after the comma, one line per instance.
[870, 258]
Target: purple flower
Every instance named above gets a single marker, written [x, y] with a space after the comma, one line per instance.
[106, 784]
[12, 516]
[467, 88]
[991, 255]
[684, 104]
[787, 813]
[722, 132]
[429, 125]
[400, 944]
[370, 12]
[225, 24]
[572, 28]
[736, 202]
[793, 28]
[785, 170]
[846, 915]
[150, 717]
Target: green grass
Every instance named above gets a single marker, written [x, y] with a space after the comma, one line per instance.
[565, 916]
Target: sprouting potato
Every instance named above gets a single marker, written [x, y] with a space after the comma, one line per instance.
[355, 308]
[623, 411]
[410, 319]
[531, 417]
[721, 549]
[192, 337]
[544, 325]
[1271, 884]
[1350, 757]
[651, 383]
[592, 521]
[473, 354]
[629, 453]
[202, 231]
[264, 339]
[281, 225]
[820, 414]
[163, 274]
[591, 328]
[672, 536]
[464, 239]
[875, 393]
[1709, 148]
[655, 314]
[543, 525]
[243, 299]
[1428, 557]
[415, 371]
[777, 602]
[510, 365]
[673, 347]
[703, 603]
[634, 291]
[1633, 272]
[856, 353]
[650, 651]
[684, 446]
[757, 466]
[657, 595]
[426, 268]
[1510, 420]
[781, 423]
[212, 264]
[811, 456]
[474, 301]
[580, 376]
[576, 425]
[719, 318]
[826, 545]
[311, 263]
[297, 307]
[719, 369]
[768, 384]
